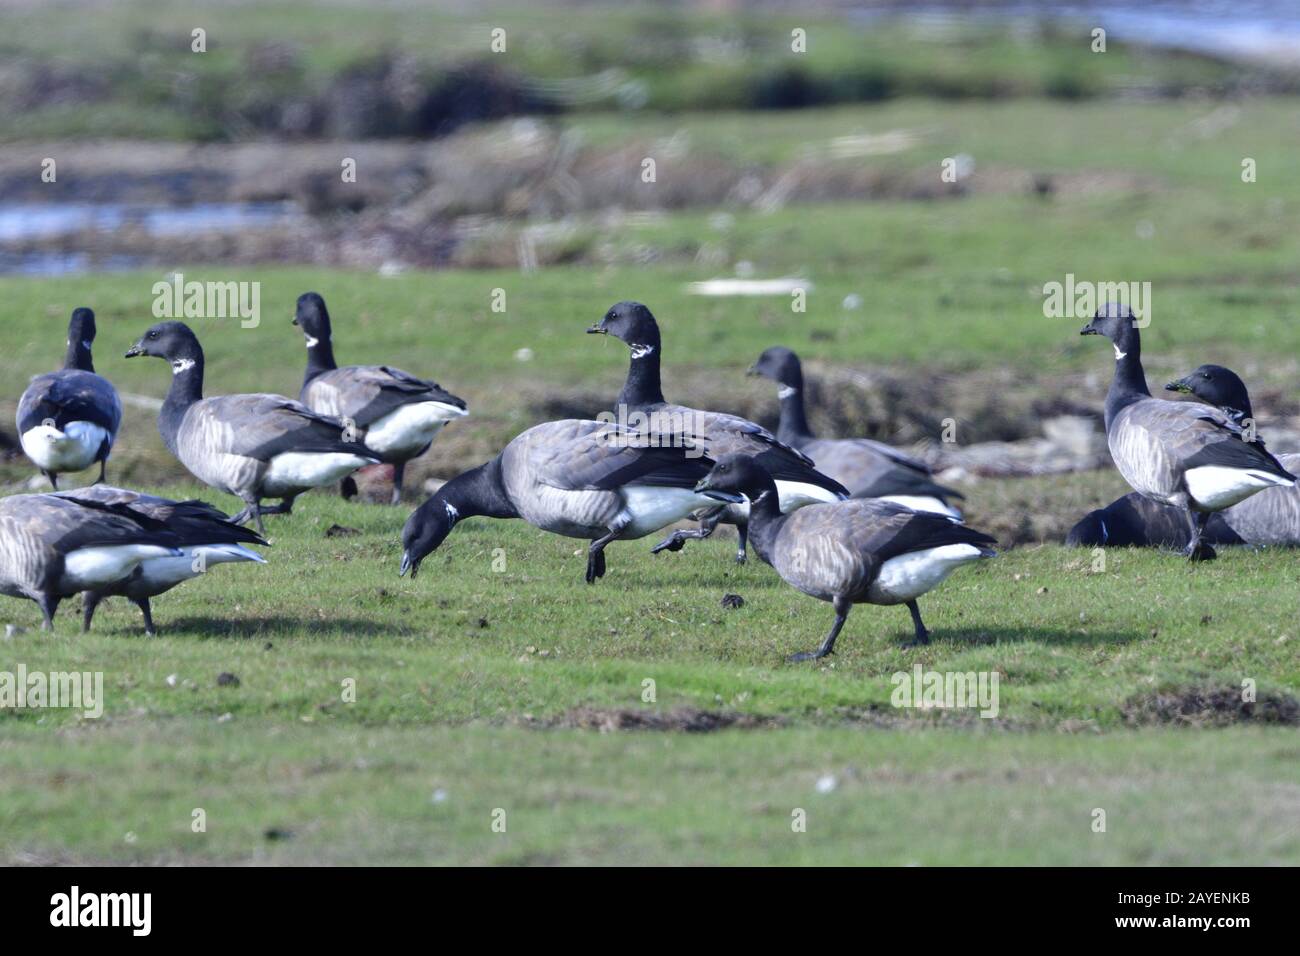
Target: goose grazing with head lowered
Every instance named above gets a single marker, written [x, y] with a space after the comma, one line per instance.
[642, 401]
[68, 420]
[206, 537]
[869, 469]
[253, 446]
[1189, 456]
[397, 414]
[581, 479]
[863, 551]
[53, 546]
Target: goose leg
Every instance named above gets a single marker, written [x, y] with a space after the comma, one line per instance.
[89, 601]
[1198, 550]
[143, 605]
[922, 634]
[54, 478]
[399, 471]
[742, 531]
[596, 555]
[677, 540]
[828, 645]
[103, 471]
[348, 488]
[49, 604]
[252, 511]
[283, 508]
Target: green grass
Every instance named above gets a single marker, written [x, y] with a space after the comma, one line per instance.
[460, 673]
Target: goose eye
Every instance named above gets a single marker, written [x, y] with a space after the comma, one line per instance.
[153, 335]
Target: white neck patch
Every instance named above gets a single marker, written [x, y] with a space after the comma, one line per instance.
[312, 341]
[452, 514]
[1118, 354]
[182, 365]
[785, 391]
[85, 344]
[641, 351]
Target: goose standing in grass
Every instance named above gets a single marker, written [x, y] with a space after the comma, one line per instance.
[1271, 517]
[581, 479]
[54, 546]
[253, 446]
[869, 469]
[68, 420]
[1189, 456]
[798, 481]
[397, 414]
[863, 551]
[207, 537]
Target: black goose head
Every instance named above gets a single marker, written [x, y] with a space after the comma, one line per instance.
[631, 322]
[734, 476]
[1217, 386]
[424, 532]
[172, 341]
[313, 318]
[780, 365]
[81, 329]
[1115, 321]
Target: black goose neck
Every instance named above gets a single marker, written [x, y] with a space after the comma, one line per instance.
[643, 386]
[1130, 382]
[185, 390]
[479, 491]
[78, 356]
[320, 353]
[765, 520]
[793, 427]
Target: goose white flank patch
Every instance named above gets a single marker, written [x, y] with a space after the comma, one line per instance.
[908, 576]
[869, 469]
[68, 420]
[88, 569]
[581, 479]
[799, 482]
[1196, 458]
[861, 551]
[254, 446]
[204, 537]
[396, 414]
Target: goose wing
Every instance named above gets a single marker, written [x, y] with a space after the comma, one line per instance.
[587, 455]
[366, 393]
[730, 434]
[840, 547]
[1188, 436]
[193, 521]
[872, 469]
[66, 524]
[70, 395]
[262, 426]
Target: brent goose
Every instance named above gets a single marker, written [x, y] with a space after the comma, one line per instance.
[254, 446]
[798, 481]
[397, 414]
[864, 551]
[869, 469]
[1271, 517]
[1189, 456]
[68, 420]
[52, 547]
[582, 479]
[207, 537]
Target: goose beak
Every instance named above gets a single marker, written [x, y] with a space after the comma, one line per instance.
[1179, 386]
[408, 565]
[598, 330]
[295, 320]
[730, 497]
[1088, 330]
[133, 351]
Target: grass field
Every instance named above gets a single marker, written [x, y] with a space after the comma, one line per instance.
[479, 689]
